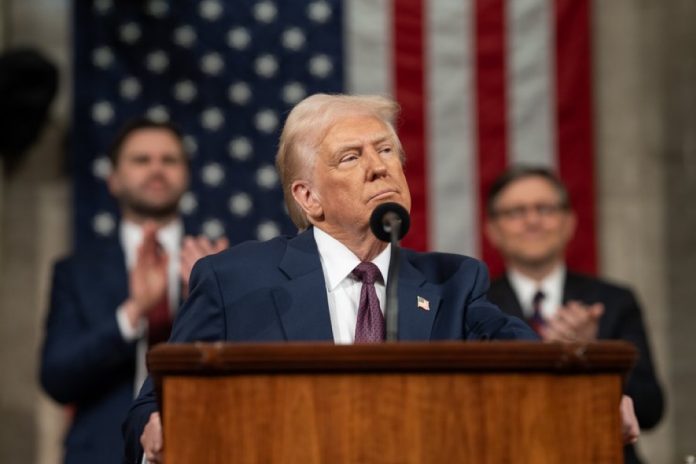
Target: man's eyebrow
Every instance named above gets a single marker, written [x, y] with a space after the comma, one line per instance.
[355, 144]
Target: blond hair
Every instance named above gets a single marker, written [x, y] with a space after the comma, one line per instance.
[307, 125]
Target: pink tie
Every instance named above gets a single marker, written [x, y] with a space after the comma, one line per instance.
[370, 325]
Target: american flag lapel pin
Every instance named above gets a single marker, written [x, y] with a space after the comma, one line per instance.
[423, 304]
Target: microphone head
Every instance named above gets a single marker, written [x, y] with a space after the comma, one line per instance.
[382, 218]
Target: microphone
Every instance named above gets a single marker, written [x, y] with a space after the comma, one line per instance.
[390, 223]
[390, 219]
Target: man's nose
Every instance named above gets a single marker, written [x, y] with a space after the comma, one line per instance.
[532, 215]
[377, 167]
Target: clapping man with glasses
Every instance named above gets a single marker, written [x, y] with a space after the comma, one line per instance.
[530, 221]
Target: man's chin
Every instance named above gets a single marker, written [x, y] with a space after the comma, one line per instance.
[537, 261]
[155, 211]
[390, 198]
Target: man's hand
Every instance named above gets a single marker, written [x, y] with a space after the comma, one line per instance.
[574, 322]
[195, 248]
[630, 429]
[148, 278]
[151, 439]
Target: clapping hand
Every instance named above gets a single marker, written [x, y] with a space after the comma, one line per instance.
[195, 248]
[574, 322]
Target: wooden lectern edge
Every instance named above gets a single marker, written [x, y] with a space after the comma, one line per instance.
[218, 358]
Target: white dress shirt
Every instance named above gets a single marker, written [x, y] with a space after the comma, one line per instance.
[552, 287]
[169, 237]
[342, 288]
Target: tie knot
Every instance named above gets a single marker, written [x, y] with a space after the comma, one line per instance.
[367, 273]
[538, 297]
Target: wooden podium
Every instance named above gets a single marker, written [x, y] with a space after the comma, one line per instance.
[450, 402]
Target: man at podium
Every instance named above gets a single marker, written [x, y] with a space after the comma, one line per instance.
[339, 157]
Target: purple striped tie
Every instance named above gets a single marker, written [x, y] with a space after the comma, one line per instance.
[370, 326]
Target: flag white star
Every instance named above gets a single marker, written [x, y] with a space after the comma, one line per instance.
[101, 167]
[213, 174]
[267, 177]
[238, 38]
[210, 10]
[102, 57]
[157, 8]
[212, 119]
[320, 66]
[265, 11]
[158, 113]
[102, 112]
[239, 93]
[293, 38]
[185, 91]
[104, 223]
[293, 92]
[130, 32]
[240, 148]
[267, 230]
[130, 88]
[157, 61]
[188, 203]
[213, 229]
[184, 36]
[190, 145]
[240, 204]
[212, 63]
[266, 65]
[319, 11]
[266, 121]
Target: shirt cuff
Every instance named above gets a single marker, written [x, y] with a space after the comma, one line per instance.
[129, 333]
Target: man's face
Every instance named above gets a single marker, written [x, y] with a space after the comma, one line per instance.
[358, 167]
[151, 174]
[530, 226]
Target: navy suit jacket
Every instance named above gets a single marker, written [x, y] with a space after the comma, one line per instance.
[275, 291]
[85, 361]
[622, 320]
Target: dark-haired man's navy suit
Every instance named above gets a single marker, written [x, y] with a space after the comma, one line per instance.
[621, 320]
[275, 291]
[85, 360]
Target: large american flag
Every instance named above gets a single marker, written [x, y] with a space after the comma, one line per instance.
[482, 84]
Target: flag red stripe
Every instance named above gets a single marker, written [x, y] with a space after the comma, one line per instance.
[491, 108]
[574, 125]
[409, 90]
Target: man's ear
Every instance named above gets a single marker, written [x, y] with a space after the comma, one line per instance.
[308, 200]
[492, 232]
[113, 184]
[571, 224]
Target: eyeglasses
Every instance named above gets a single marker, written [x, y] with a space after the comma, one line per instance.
[518, 212]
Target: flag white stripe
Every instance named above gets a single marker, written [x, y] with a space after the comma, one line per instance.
[453, 179]
[530, 64]
[368, 41]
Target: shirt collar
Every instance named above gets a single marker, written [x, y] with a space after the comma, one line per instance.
[169, 236]
[525, 287]
[339, 261]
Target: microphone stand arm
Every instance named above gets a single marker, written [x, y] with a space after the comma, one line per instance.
[391, 311]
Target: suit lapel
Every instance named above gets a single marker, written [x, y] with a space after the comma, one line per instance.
[415, 321]
[104, 282]
[508, 299]
[579, 288]
[301, 301]
[576, 289]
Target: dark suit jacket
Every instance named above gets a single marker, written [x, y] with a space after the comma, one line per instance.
[622, 320]
[275, 291]
[85, 361]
